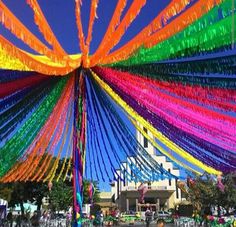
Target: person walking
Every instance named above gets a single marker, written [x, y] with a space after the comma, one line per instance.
[10, 219]
[18, 220]
[148, 217]
[35, 219]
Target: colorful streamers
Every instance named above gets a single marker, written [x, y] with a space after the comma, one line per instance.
[30, 61]
[175, 78]
[153, 130]
[10, 21]
[93, 15]
[149, 37]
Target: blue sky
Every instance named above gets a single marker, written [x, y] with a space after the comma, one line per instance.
[61, 17]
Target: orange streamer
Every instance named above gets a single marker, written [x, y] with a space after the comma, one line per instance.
[93, 15]
[48, 34]
[200, 8]
[13, 24]
[115, 20]
[52, 173]
[131, 14]
[79, 26]
[31, 62]
[68, 150]
[60, 115]
[154, 33]
[44, 28]
[33, 155]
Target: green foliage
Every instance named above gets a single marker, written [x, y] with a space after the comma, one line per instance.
[61, 196]
[21, 192]
[227, 198]
[205, 193]
[5, 192]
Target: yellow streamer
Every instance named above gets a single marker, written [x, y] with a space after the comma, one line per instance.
[52, 173]
[64, 162]
[163, 151]
[31, 62]
[63, 165]
[154, 131]
[68, 168]
[11, 62]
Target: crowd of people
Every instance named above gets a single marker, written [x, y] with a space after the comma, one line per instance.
[20, 220]
[35, 219]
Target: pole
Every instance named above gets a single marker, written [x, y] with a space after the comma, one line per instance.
[79, 145]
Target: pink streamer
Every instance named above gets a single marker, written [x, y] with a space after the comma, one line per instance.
[171, 109]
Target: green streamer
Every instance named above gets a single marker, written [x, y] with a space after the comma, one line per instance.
[14, 147]
[152, 71]
[210, 32]
[18, 112]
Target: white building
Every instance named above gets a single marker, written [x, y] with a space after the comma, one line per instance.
[163, 194]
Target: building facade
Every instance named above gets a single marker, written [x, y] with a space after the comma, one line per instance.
[161, 195]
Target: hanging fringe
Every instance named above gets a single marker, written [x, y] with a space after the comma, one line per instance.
[115, 20]
[155, 32]
[34, 154]
[131, 14]
[30, 62]
[156, 133]
[11, 22]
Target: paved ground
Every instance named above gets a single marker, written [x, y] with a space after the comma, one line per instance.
[153, 224]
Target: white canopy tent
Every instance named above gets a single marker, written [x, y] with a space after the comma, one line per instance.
[3, 208]
[3, 202]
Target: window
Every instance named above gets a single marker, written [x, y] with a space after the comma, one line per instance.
[118, 188]
[145, 141]
[124, 174]
[149, 185]
[177, 190]
[169, 179]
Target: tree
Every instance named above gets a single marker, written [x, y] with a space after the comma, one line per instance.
[5, 192]
[36, 192]
[204, 193]
[61, 196]
[20, 192]
[227, 199]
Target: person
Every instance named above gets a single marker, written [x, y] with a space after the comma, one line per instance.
[160, 223]
[18, 220]
[148, 217]
[101, 218]
[34, 219]
[10, 218]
